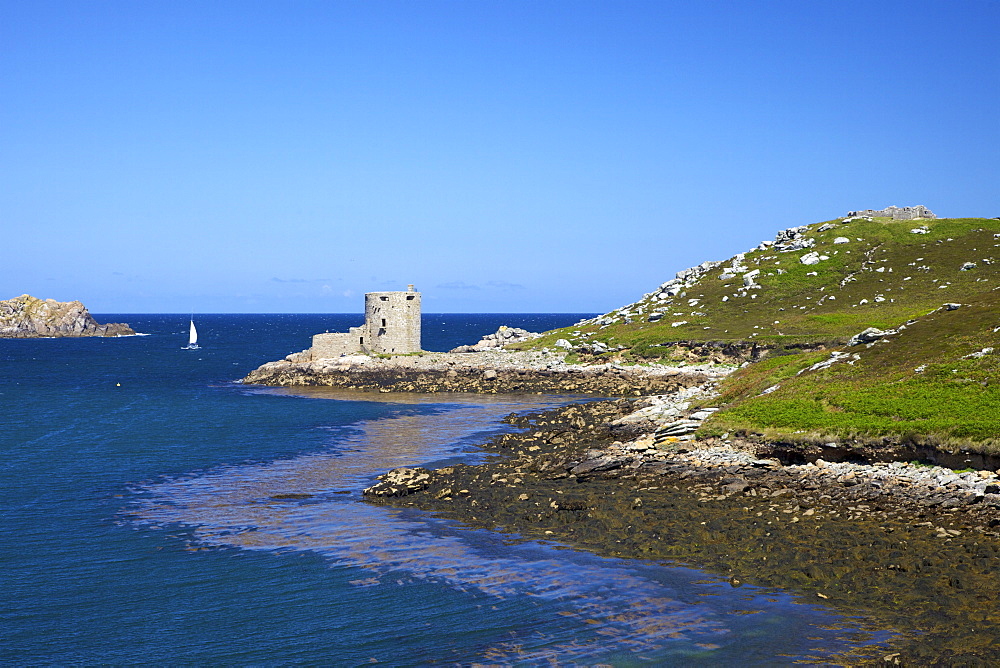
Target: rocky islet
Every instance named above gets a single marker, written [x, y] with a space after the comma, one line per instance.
[29, 317]
[486, 371]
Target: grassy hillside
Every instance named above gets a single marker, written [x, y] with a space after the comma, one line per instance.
[933, 382]
[869, 273]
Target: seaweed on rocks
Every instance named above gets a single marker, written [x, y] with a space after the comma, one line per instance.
[898, 551]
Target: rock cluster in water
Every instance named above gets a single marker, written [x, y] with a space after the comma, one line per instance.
[29, 317]
[400, 482]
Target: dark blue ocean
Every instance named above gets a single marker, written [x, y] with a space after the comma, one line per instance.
[139, 524]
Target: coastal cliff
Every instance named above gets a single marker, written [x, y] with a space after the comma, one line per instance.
[29, 317]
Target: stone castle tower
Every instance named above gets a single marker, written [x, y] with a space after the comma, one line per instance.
[392, 326]
[393, 322]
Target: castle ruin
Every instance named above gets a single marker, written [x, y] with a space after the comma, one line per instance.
[895, 212]
[392, 327]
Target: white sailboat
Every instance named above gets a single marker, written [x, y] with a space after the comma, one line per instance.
[192, 338]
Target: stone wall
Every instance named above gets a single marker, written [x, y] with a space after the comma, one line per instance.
[334, 344]
[896, 212]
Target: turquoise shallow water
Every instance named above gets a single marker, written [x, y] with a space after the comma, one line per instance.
[139, 524]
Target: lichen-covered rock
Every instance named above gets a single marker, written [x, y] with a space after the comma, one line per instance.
[29, 317]
[400, 482]
[869, 336]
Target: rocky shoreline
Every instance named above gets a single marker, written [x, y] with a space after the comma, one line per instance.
[486, 372]
[908, 547]
[905, 546]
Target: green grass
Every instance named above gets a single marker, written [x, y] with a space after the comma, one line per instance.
[914, 388]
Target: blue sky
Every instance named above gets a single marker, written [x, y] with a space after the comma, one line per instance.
[535, 156]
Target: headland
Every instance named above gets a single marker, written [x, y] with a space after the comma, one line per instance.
[384, 355]
[490, 372]
[817, 413]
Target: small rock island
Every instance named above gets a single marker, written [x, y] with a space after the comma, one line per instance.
[28, 317]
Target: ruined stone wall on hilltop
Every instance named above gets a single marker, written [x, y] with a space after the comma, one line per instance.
[896, 212]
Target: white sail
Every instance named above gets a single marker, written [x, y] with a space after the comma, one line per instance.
[192, 338]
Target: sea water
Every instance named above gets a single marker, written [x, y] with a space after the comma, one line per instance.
[155, 511]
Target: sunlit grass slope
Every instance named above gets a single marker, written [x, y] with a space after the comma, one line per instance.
[872, 273]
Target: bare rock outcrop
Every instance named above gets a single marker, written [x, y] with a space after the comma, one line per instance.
[498, 340]
[28, 317]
